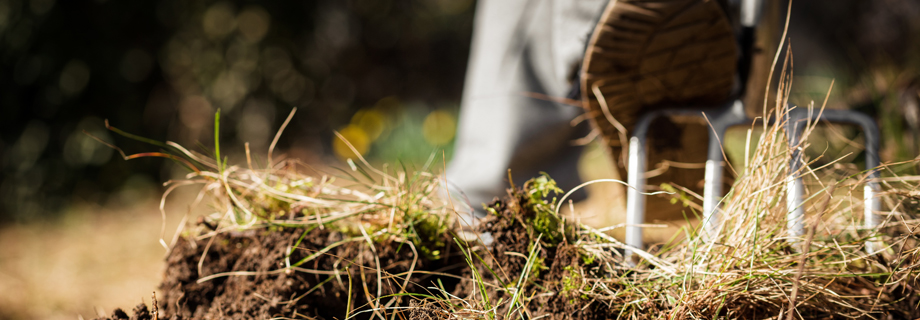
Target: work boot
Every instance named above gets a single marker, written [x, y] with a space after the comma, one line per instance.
[647, 55]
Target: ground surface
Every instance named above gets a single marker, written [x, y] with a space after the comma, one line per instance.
[313, 290]
[114, 249]
[337, 275]
[50, 266]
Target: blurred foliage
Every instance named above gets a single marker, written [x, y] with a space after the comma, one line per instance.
[387, 74]
[871, 50]
[160, 69]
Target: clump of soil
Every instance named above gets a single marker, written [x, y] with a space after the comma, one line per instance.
[538, 266]
[140, 312]
[341, 282]
[521, 220]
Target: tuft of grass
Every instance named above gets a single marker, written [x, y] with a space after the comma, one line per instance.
[546, 223]
[365, 204]
[751, 268]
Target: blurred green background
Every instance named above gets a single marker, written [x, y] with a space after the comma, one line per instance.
[386, 73]
[160, 69]
[78, 224]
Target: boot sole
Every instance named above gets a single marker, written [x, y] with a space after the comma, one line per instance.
[652, 54]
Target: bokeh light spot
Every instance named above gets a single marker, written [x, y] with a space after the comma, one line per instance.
[74, 77]
[291, 86]
[218, 21]
[356, 137]
[255, 126]
[274, 61]
[80, 149]
[254, 23]
[195, 112]
[29, 147]
[228, 89]
[242, 57]
[439, 127]
[371, 121]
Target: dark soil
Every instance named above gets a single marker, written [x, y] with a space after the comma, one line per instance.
[341, 282]
[314, 290]
[139, 313]
[512, 234]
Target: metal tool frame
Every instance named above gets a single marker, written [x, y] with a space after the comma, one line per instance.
[795, 190]
[729, 115]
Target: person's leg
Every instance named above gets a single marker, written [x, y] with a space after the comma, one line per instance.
[523, 52]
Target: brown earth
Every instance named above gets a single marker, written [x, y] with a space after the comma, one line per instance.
[140, 312]
[511, 234]
[312, 290]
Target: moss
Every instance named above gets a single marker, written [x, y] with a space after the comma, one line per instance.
[571, 284]
[427, 233]
[541, 200]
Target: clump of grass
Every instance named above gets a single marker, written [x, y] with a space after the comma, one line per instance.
[752, 267]
[362, 203]
[363, 200]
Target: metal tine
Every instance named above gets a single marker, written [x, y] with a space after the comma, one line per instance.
[731, 114]
[750, 14]
[795, 188]
[721, 119]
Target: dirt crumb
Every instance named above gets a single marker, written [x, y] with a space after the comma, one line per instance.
[140, 312]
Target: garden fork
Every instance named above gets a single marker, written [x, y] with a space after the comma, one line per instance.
[732, 114]
[721, 119]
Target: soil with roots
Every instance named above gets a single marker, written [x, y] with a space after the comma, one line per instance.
[263, 288]
[530, 270]
[199, 282]
[503, 263]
